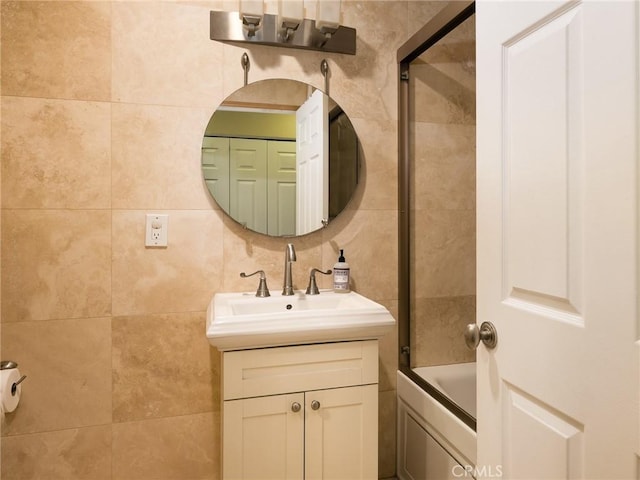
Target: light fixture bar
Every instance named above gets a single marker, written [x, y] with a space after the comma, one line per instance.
[227, 27]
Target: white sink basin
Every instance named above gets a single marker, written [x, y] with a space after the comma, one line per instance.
[241, 320]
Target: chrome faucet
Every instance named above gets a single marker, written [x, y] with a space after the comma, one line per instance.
[312, 288]
[289, 257]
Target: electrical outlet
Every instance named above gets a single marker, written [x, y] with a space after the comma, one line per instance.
[157, 234]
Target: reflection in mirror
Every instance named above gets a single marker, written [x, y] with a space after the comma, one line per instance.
[280, 157]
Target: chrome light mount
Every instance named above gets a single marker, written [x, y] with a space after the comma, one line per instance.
[229, 27]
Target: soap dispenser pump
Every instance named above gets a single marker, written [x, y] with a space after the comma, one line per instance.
[341, 274]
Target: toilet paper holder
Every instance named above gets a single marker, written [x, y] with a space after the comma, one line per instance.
[8, 365]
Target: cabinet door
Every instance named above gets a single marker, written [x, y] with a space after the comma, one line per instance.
[263, 438]
[341, 437]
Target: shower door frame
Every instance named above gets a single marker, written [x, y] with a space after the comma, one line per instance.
[450, 17]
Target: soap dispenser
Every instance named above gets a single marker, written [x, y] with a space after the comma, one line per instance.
[341, 275]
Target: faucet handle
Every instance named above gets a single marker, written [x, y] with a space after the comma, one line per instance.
[312, 289]
[263, 290]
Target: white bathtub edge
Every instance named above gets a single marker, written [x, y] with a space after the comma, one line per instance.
[453, 434]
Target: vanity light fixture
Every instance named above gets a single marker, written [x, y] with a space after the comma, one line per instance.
[251, 13]
[291, 13]
[328, 17]
[287, 29]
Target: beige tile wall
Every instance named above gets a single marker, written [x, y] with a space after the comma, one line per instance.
[443, 199]
[103, 109]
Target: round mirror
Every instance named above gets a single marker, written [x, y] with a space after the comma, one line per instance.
[280, 157]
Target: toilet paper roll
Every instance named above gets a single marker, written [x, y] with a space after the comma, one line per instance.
[7, 379]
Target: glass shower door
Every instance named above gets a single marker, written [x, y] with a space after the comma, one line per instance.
[437, 197]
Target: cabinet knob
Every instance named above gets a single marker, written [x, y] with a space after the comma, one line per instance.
[295, 407]
[315, 405]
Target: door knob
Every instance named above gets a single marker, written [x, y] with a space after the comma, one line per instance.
[295, 407]
[315, 405]
[486, 333]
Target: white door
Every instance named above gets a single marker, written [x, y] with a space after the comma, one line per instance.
[557, 133]
[215, 168]
[248, 183]
[281, 188]
[312, 169]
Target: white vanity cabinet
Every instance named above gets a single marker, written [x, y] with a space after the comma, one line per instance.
[301, 412]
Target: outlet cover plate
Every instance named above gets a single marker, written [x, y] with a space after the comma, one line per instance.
[156, 230]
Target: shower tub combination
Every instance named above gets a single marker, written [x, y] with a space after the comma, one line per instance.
[436, 422]
[436, 404]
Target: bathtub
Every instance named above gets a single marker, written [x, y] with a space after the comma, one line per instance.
[436, 421]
